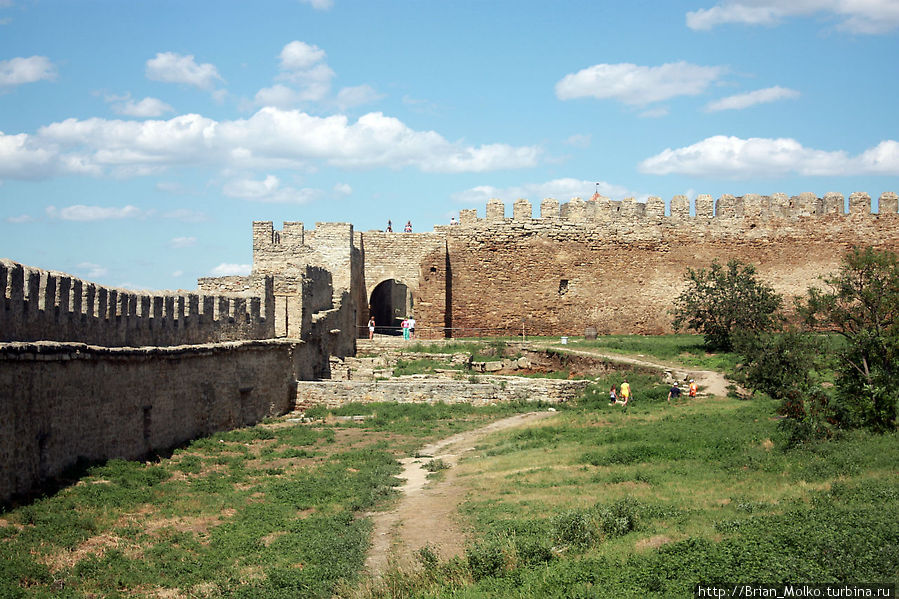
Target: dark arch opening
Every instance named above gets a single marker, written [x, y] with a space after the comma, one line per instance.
[391, 302]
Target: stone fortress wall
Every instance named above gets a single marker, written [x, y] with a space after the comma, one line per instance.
[90, 372]
[47, 305]
[614, 265]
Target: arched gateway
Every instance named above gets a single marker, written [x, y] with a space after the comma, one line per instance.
[390, 303]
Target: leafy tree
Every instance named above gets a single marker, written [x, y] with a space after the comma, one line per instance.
[862, 304]
[779, 364]
[720, 301]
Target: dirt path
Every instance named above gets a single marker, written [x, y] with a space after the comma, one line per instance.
[710, 382]
[426, 513]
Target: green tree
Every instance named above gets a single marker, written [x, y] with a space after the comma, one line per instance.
[861, 303]
[720, 301]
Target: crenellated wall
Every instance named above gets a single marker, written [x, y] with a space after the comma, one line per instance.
[614, 265]
[41, 305]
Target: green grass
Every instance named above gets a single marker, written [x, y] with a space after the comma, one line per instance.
[686, 350]
[602, 502]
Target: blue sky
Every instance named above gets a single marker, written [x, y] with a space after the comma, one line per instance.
[139, 140]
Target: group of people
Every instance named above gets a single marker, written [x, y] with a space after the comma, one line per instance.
[621, 396]
[408, 327]
[675, 391]
[406, 229]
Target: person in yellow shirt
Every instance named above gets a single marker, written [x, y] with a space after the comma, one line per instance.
[625, 392]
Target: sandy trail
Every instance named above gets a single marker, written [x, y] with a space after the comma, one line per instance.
[426, 513]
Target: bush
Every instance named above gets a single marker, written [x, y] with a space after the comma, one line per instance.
[722, 301]
[862, 305]
[778, 364]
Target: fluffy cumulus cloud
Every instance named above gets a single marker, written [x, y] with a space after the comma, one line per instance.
[736, 158]
[637, 85]
[270, 139]
[17, 71]
[560, 189]
[304, 77]
[759, 96]
[226, 269]
[146, 108]
[170, 67]
[269, 190]
[855, 16]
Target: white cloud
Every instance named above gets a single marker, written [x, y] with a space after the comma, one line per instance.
[561, 189]
[298, 56]
[579, 140]
[226, 269]
[279, 96]
[17, 71]
[80, 212]
[269, 190]
[22, 218]
[319, 4]
[856, 16]
[270, 139]
[170, 67]
[637, 85]
[307, 75]
[177, 273]
[759, 96]
[182, 242]
[735, 158]
[92, 271]
[148, 107]
[343, 189]
[348, 97]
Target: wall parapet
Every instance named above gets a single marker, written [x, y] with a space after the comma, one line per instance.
[727, 211]
[38, 304]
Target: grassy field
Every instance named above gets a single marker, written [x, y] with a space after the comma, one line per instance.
[269, 511]
[599, 502]
[593, 502]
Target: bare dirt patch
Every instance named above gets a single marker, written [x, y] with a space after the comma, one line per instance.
[426, 513]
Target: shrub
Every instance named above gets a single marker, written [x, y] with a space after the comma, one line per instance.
[720, 301]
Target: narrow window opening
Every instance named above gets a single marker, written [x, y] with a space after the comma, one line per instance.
[563, 286]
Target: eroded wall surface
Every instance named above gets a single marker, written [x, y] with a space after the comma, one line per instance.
[617, 266]
[60, 402]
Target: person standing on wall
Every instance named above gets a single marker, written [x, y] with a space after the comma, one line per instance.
[390, 226]
[371, 328]
[408, 228]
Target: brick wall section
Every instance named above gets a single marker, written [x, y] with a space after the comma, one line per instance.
[39, 304]
[415, 389]
[617, 267]
[64, 401]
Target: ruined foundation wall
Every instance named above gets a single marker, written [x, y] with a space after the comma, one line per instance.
[38, 305]
[63, 401]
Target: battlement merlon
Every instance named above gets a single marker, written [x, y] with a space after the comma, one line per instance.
[599, 209]
[38, 304]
